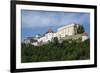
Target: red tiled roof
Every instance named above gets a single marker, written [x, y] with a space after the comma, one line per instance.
[85, 34]
[50, 30]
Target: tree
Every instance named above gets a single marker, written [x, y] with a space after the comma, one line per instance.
[80, 29]
[55, 51]
[55, 40]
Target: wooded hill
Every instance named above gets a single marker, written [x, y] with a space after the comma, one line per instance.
[55, 51]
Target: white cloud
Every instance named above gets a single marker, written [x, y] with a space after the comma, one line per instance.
[36, 21]
[41, 19]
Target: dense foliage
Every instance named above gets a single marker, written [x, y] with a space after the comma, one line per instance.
[55, 51]
[80, 29]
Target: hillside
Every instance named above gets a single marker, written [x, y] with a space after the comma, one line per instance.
[55, 51]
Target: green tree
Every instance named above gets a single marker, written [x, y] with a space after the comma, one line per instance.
[55, 51]
[55, 40]
[80, 29]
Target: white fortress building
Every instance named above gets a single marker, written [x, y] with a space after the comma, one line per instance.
[67, 30]
[64, 31]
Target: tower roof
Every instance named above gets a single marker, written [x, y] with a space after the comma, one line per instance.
[50, 30]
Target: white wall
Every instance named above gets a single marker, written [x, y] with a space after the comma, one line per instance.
[5, 38]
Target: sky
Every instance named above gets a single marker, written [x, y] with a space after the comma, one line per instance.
[37, 22]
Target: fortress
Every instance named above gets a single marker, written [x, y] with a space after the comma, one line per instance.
[71, 30]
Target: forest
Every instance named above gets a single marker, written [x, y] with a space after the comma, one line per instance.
[55, 51]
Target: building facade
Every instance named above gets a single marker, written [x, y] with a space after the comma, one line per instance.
[67, 30]
[64, 31]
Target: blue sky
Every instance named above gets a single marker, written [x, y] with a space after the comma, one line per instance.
[37, 22]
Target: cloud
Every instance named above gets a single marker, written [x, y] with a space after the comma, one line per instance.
[32, 19]
[37, 19]
[75, 18]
